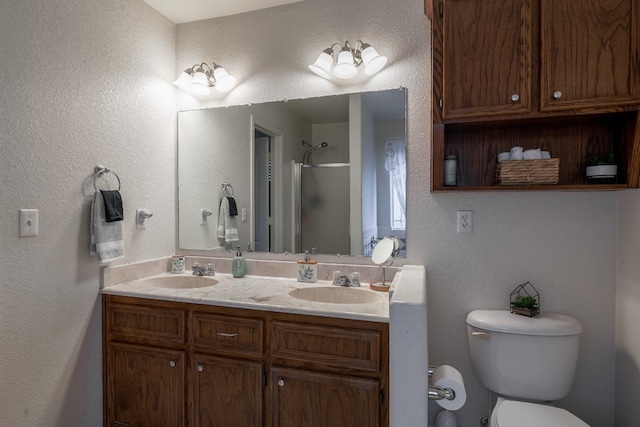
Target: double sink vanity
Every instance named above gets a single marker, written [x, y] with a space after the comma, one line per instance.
[261, 350]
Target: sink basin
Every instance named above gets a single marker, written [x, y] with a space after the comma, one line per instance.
[336, 295]
[181, 282]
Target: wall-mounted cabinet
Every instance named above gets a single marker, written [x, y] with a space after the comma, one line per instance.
[563, 76]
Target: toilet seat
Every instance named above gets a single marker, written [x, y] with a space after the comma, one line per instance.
[512, 413]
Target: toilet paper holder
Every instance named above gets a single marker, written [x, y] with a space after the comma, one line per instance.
[437, 393]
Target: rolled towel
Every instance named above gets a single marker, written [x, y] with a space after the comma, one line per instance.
[106, 237]
[532, 154]
[516, 153]
[504, 156]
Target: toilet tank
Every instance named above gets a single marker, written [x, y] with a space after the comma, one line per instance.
[524, 357]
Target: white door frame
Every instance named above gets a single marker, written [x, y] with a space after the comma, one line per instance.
[276, 173]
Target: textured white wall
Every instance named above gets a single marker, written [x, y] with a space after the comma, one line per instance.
[565, 243]
[84, 82]
[628, 310]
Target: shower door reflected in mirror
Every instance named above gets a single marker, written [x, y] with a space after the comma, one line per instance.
[322, 207]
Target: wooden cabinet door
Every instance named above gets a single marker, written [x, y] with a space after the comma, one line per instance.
[486, 57]
[226, 392]
[145, 386]
[314, 399]
[590, 55]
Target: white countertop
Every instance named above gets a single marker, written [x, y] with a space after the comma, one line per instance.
[258, 293]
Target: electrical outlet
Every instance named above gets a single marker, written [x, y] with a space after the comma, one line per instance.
[465, 222]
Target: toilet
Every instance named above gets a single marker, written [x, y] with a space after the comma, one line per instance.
[528, 362]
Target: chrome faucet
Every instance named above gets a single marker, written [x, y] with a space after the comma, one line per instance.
[201, 270]
[340, 279]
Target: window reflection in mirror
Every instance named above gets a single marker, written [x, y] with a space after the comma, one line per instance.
[326, 173]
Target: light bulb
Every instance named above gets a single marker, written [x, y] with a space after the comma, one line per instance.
[322, 66]
[345, 68]
[224, 81]
[183, 81]
[373, 61]
[199, 84]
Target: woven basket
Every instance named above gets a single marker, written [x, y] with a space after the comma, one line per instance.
[528, 172]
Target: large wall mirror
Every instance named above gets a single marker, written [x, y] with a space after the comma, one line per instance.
[327, 173]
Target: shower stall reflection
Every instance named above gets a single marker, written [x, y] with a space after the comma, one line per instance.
[322, 197]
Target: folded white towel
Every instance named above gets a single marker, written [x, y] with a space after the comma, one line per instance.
[227, 224]
[106, 237]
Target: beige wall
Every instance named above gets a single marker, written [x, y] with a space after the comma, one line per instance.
[565, 243]
[88, 82]
[628, 310]
[84, 82]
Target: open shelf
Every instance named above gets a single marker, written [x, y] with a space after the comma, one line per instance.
[569, 138]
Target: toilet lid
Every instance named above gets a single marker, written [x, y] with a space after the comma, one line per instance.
[522, 414]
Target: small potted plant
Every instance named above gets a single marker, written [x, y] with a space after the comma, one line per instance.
[601, 167]
[525, 300]
[525, 305]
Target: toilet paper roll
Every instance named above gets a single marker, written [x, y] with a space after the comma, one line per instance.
[444, 377]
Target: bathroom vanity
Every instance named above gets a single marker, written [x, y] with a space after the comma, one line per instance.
[226, 355]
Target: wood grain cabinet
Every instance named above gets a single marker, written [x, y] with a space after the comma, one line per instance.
[344, 401]
[333, 370]
[484, 54]
[144, 386]
[226, 392]
[589, 54]
[178, 364]
[145, 365]
[560, 75]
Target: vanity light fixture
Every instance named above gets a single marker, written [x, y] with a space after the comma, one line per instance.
[200, 78]
[348, 60]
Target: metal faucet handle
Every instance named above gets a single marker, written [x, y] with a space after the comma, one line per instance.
[341, 280]
[354, 279]
[338, 278]
[198, 270]
[209, 271]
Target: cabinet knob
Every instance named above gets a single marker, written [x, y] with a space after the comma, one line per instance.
[557, 94]
[280, 382]
[200, 368]
[515, 97]
[172, 363]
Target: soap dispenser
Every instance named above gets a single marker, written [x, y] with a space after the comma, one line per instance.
[307, 269]
[238, 265]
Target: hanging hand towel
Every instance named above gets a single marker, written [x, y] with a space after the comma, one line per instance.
[227, 225]
[233, 208]
[112, 205]
[106, 237]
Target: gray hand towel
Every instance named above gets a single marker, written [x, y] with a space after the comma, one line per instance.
[106, 237]
[227, 224]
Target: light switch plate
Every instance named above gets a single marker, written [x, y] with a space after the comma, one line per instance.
[28, 222]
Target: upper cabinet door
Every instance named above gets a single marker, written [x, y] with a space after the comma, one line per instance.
[486, 57]
[589, 54]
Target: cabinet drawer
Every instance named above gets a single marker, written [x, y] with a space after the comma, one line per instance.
[322, 347]
[228, 335]
[146, 324]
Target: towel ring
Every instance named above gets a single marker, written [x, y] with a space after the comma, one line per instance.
[227, 190]
[101, 170]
